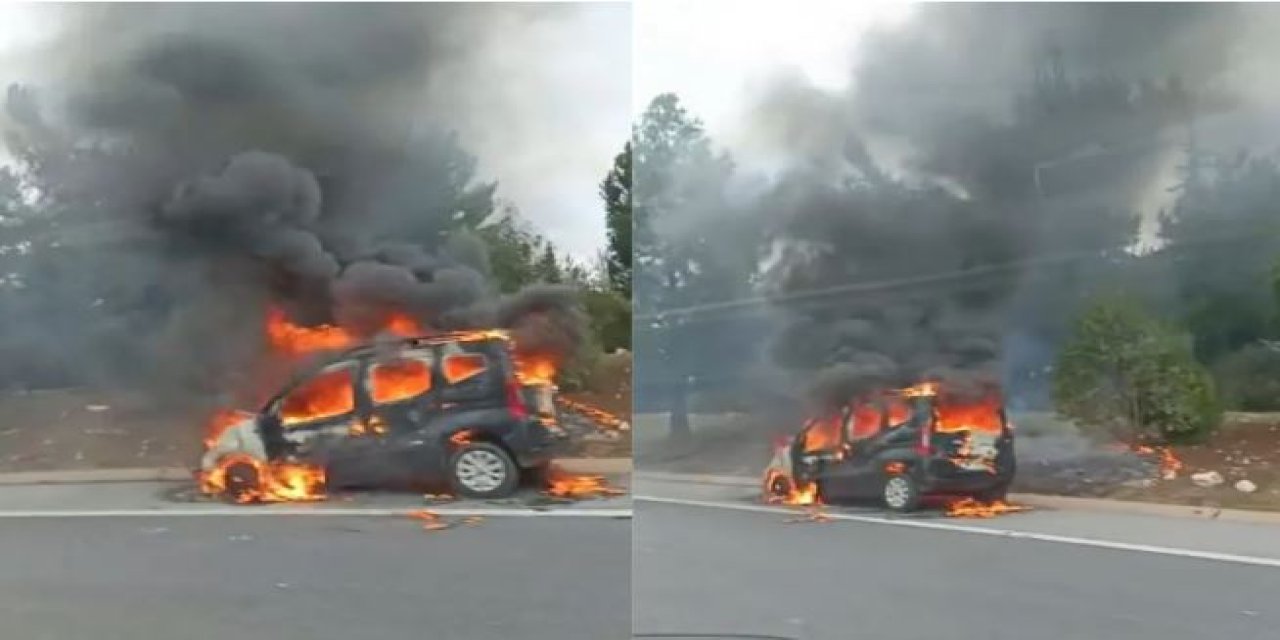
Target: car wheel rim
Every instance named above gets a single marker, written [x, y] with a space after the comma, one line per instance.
[480, 470]
[896, 492]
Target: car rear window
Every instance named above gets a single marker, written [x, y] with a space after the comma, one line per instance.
[400, 379]
[327, 394]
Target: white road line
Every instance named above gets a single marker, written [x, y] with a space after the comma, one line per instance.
[986, 531]
[375, 512]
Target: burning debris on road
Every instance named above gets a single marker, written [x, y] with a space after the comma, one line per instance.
[971, 508]
[562, 484]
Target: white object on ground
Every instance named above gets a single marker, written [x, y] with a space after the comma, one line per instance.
[1207, 479]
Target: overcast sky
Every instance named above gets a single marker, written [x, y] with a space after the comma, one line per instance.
[575, 114]
[712, 52]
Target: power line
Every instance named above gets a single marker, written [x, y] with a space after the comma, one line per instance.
[955, 276]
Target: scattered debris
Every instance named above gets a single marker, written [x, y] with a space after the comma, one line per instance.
[1245, 486]
[1207, 479]
[432, 521]
[811, 515]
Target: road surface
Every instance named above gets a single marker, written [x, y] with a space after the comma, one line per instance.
[708, 560]
[97, 565]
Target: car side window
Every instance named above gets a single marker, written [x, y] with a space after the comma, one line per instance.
[864, 421]
[400, 379]
[463, 367]
[897, 412]
[327, 394]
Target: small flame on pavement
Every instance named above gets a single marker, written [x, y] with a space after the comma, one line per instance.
[816, 515]
[562, 484]
[973, 508]
[780, 490]
[431, 521]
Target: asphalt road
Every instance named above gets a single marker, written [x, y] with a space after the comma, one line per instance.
[313, 578]
[722, 570]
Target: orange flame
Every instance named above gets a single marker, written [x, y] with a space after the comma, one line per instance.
[535, 368]
[971, 508]
[276, 481]
[399, 380]
[218, 424]
[288, 338]
[1170, 465]
[597, 415]
[562, 484]
[967, 414]
[823, 434]
[804, 495]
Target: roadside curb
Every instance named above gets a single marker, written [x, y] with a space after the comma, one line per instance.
[603, 466]
[1036, 500]
[1043, 501]
[595, 465]
[94, 476]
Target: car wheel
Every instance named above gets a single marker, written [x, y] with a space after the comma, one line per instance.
[997, 493]
[778, 487]
[242, 482]
[900, 493]
[483, 470]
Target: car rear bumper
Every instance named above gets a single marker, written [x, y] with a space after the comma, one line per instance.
[941, 477]
[539, 445]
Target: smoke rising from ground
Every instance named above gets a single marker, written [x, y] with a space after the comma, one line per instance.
[224, 158]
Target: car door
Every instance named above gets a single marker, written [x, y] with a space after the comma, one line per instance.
[853, 475]
[401, 396]
[311, 418]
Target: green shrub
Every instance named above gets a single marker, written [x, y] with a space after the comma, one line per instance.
[1249, 379]
[1128, 375]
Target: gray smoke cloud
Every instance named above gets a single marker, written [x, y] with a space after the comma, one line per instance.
[977, 144]
[226, 158]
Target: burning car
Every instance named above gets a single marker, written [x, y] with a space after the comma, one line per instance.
[450, 408]
[899, 446]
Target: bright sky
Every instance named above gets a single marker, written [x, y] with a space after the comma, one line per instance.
[711, 52]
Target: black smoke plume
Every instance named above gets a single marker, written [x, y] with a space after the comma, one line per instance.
[202, 162]
[987, 169]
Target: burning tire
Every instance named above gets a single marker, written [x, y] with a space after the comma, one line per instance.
[483, 470]
[777, 487]
[900, 493]
[995, 494]
[243, 481]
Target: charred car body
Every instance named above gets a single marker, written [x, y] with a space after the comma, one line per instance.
[900, 447]
[417, 411]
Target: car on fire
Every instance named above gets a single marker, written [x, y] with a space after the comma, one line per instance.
[900, 447]
[448, 409]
